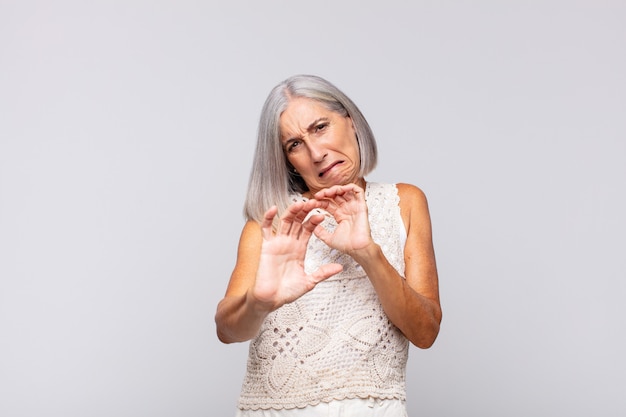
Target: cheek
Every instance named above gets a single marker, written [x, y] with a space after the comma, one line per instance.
[296, 162]
[355, 149]
[353, 143]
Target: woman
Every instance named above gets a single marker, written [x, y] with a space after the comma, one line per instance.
[334, 275]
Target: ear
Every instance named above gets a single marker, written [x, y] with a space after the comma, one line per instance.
[290, 168]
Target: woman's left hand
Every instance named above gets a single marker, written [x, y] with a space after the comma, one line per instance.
[346, 203]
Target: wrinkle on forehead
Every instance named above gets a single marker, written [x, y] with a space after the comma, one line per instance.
[297, 124]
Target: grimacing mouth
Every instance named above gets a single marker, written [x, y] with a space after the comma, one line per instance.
[328, 168]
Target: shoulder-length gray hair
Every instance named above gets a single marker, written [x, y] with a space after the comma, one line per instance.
[272, 178]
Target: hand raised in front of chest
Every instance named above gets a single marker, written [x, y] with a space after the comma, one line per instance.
[280, 277]
[347, 205]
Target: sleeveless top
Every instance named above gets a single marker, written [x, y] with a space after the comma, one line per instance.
[335, 342]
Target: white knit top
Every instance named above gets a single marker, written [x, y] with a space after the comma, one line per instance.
[335, 342]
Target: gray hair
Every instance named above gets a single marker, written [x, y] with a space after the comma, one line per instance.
[272, 179]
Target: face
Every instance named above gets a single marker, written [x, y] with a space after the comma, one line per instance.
[320, 144]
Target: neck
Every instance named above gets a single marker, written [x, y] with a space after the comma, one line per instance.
[360, 182]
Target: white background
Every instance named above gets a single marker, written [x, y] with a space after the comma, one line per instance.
[126, 136]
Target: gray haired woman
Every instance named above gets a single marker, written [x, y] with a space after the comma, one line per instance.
[334, 275]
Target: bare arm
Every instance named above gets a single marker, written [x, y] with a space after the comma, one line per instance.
[269, 271]
[411, 303]
[237, 318]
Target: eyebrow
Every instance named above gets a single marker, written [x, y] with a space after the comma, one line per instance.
[309, 128]
[316, 121]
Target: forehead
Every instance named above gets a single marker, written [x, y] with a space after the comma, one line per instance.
[301, 112]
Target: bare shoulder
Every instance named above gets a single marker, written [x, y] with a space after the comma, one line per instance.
[411, 197]
[413, 203]
[410, 193]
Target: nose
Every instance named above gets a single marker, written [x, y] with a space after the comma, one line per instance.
[318, 153]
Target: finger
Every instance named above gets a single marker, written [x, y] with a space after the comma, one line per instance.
[337, 194]
[307, 207]
[268, 219]
[326, 271]
[299, 225]
[348, 194]
[323, 204]
[338, 190]
[288, 217]
[340, 198]
[322, 234]
[310, 224]
[312, 204]
[351, 191]
[355, 192]
[330, 192]
[317, 206]
[355, 188]
[313, 221]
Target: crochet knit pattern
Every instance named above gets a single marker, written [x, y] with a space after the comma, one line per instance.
[335, 342]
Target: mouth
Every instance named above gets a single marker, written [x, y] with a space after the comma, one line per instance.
[328, 168]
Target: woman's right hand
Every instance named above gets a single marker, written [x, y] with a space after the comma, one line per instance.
[280, 277]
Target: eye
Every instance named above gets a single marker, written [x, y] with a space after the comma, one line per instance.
[293, 145]
[321, 126]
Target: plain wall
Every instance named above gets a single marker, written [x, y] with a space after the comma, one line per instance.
[126, 136]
